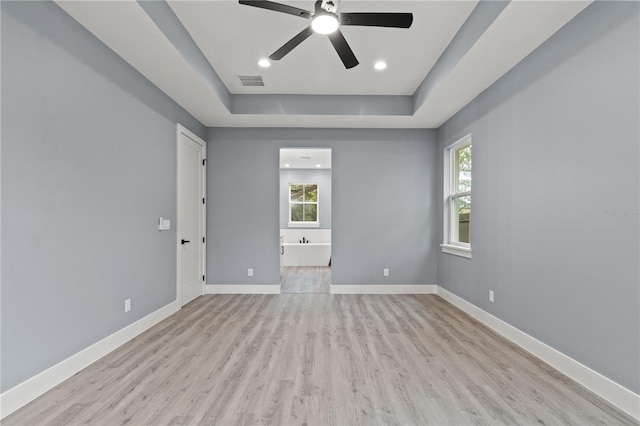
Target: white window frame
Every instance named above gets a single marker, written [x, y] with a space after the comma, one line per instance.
[305, 224]
[449, 245]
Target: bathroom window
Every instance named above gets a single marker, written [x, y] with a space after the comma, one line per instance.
[303, 204]
[457, 238]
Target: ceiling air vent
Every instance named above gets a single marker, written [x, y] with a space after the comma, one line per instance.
[251, 80]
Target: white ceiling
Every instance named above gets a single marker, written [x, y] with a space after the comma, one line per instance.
[233, 37]
[305, 158]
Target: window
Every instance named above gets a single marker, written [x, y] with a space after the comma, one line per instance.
[458, 201]
[303, 204]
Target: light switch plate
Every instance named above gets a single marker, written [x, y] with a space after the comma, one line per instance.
[164, 224]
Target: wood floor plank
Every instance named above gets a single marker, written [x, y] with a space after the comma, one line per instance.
[319, 359]
[305, 279]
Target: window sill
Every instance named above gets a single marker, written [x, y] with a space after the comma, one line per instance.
[456, 250]
[304, 224]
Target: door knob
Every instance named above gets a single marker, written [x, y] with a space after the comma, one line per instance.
[185, 241]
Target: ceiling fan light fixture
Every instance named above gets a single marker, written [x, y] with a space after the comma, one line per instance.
[325, 23]
[264, 63]
[380, 65]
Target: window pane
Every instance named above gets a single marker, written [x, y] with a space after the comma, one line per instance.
[297, 192]
[462, 175]
[311, 193]
[296, 212]
[311, 213]
[461, 221]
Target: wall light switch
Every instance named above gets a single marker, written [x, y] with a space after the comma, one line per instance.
[250, 272]
[127, 305]
[385, 272]
[164, 224]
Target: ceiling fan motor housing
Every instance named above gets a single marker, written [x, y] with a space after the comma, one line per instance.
[326, 21]
[330, 6]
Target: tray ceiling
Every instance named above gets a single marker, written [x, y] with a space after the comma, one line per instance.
[194, 51]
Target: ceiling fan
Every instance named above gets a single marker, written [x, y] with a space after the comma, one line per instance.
[327, 20]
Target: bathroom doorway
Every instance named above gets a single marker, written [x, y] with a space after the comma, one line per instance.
[305, 220]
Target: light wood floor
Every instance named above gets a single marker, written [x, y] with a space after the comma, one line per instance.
[319, 359]
[305, 279]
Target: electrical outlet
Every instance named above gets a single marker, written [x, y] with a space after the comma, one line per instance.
[385, 272]
[490, 295]
[127, 305]
[250, 272]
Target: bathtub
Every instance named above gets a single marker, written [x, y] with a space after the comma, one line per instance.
[306, 254]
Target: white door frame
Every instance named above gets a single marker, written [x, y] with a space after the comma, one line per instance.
[181, 130]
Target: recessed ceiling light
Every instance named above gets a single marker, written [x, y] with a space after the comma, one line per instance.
[380, 65]
[287, 165]
[318, 165]
[264, 63]
[325, 23]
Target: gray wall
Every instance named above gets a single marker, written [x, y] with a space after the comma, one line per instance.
[88, 165]
[322, 178]
[383, 210]
[555, 146]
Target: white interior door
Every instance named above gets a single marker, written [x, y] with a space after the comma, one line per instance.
[191, 216]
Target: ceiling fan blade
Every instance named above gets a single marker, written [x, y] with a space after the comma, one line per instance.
[344, 51]
[391, 20]
[277, 7]
[291, 44]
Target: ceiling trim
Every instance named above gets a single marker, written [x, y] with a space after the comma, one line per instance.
[322, 105]
[480, 19]
[529, 23]
[125, 28]
[491, 40]
[170, 25]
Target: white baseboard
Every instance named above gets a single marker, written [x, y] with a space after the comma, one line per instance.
[607, 389]
[27, 391]
[242, 289]
[621, 397]
[383, 289]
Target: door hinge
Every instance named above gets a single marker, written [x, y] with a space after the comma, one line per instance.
[204, 161]
[203, 239]
[203, 278]
[203, 201]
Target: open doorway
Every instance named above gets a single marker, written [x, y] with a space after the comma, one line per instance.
[305, 220]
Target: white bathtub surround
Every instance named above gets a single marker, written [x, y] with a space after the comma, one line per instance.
[313, 235]
[311, 254]
[317, 252]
